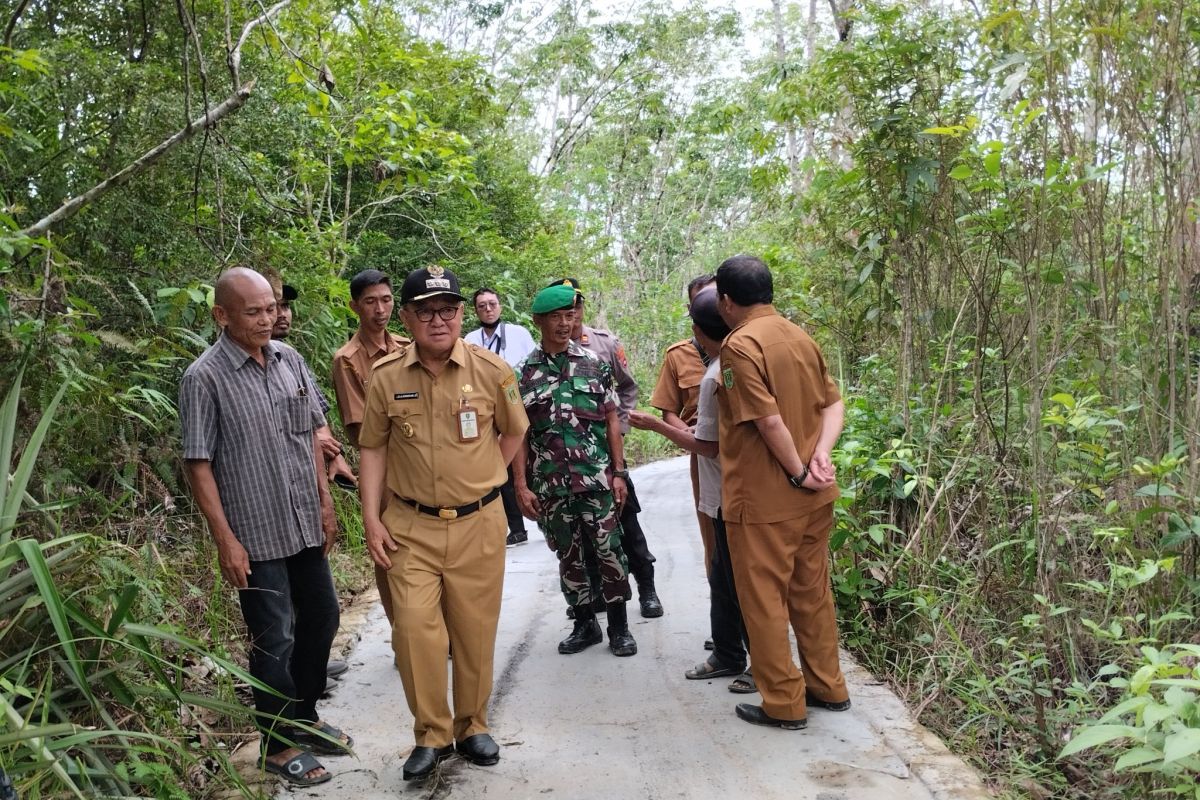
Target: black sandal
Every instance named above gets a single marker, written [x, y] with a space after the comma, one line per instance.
[707, 669]
[295, 770]
[322, 746]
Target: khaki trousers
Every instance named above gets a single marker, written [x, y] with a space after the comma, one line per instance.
[782, 574]
[446, 583]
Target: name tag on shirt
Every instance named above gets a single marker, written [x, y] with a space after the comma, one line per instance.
[405, 396]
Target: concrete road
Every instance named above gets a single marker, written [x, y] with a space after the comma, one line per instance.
[595, 726]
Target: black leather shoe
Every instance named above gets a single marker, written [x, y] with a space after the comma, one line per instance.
[586, 633]
[756, 716]
[422, 760]
[651, 605]
[480, 749]
[815, 702]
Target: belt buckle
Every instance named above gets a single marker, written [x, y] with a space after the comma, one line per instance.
[448, 513]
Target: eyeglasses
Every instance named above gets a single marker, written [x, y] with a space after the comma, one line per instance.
[487, 304]
[445, 313]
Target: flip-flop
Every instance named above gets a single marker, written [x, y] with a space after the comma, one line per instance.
[340, 746]
[296, 768]
[743, 684]
[707, 669]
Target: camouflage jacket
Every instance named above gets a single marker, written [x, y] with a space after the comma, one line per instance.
[567, 397]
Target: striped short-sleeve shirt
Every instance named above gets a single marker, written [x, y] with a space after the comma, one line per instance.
[255, 425]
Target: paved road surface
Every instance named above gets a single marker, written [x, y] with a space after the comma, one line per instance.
[594, 726]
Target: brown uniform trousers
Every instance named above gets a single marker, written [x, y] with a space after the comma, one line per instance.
[435, 602]
[788, 559]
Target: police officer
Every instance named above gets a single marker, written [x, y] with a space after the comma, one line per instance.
[570, 473]
[780, 415]
[608, 348]
[442, 421]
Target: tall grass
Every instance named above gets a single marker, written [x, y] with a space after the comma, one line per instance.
[94, 700]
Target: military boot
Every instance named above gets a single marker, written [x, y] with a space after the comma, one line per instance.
[585, 634]
[620, 640]
[648, 599]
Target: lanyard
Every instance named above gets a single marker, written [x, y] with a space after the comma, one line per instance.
[497, 340]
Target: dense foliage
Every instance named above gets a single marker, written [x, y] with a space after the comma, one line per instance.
[987, 216]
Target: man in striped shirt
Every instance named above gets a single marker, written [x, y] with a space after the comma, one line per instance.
[248, 413]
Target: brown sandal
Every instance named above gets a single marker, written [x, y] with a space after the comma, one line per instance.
[743, 684]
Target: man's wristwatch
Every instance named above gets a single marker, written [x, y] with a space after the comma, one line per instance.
[621, 473]
[798, 480]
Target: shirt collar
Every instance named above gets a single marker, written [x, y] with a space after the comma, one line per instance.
[458, 355]
[236, 357]
[358, 342]
[757, 312]
[573, 351]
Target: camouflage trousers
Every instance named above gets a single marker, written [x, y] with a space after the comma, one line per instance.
[567, 522]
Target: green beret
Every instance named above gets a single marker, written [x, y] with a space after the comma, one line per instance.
[553, 298]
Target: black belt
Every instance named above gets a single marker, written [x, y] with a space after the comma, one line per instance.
[457, 512]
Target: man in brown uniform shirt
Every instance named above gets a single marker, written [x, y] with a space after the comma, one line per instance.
[371, 301]
[780, 415]
[442, 422]
[677, 395]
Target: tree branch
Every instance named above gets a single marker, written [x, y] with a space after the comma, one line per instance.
[144, 162]
[12, 22]
[234, 59]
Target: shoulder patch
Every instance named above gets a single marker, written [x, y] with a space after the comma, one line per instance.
[511, 393]
[621, 355]
[390, 357]
[727, 377]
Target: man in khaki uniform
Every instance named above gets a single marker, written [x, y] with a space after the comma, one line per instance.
[780, 415]
[442, 421]
[371, 301]
[677, 396]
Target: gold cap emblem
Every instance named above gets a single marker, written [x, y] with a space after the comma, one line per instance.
[436, 271]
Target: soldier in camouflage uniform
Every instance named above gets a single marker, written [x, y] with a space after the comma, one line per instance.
[607, 347]
[569, 474]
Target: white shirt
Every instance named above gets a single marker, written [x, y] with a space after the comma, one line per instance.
[709, 469]
[510, 342]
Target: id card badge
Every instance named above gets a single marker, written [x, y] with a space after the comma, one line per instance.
[468, 422]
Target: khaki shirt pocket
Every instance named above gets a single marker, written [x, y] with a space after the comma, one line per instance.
[409, 423]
